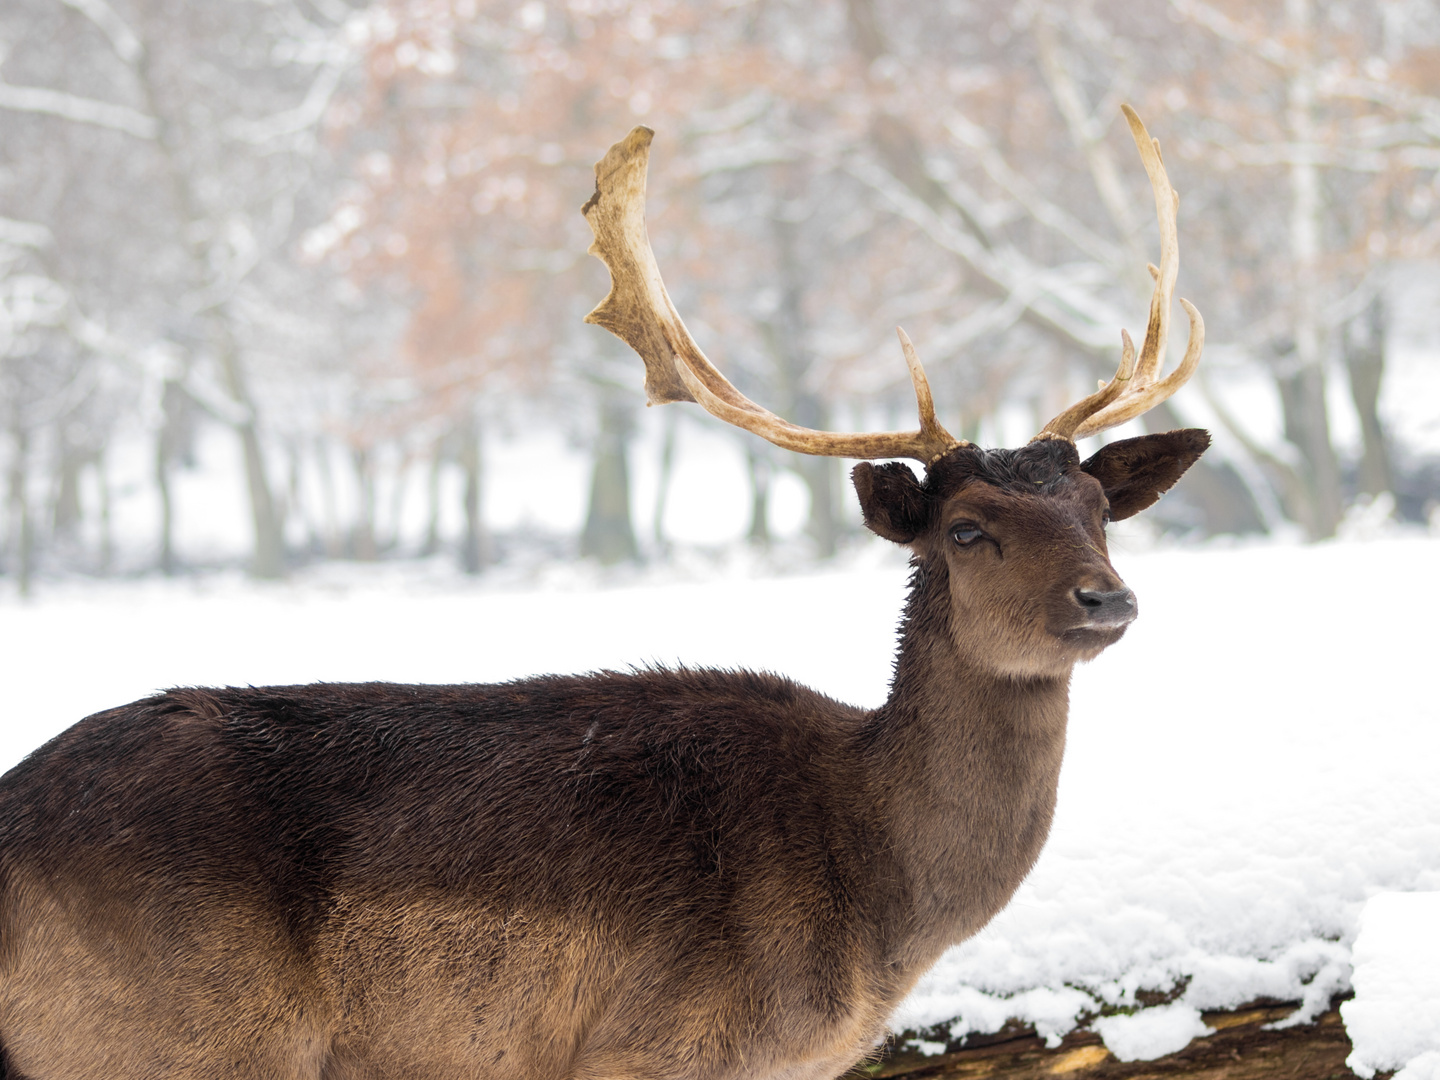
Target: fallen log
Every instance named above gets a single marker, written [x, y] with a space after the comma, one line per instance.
[1242, 1048]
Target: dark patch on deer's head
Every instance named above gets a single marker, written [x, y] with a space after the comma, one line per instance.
[1018, 539]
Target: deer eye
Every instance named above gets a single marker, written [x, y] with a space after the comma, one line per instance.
[967, 532]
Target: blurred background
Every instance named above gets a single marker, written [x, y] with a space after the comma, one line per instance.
[294, 289]
[291, 281]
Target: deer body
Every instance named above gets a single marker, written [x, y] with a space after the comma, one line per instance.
[722, 875]
[677, 875]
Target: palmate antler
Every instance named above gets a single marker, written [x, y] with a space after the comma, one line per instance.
[1134, 389]
[638, 311]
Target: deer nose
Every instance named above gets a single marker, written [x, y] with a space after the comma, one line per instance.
[1116, 608]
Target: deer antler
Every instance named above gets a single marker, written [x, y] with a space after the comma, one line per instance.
[638, 311]
[1134, 389]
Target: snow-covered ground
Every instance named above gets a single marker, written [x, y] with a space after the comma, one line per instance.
[1256, 759]
[1394, 1019]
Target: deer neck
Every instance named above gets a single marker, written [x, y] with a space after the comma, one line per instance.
[965, 764]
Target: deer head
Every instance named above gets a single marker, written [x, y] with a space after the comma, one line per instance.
[1019, 534]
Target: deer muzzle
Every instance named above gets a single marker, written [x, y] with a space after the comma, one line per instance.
[1108, 610]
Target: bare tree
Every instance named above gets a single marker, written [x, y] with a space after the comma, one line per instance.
[200, 118]
[1337, 130]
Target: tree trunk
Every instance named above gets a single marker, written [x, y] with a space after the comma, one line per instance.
[1302, 390]
[66, 518]
[662, 493]
[1246, 1044]
[22, 540]
[823, 527]
[269, 560]
[395, 532]
[269, 555]
[608, 535]
[785, 336]
[323, 465]
[174, 444]
[1307, 428]
[362, 532]
[167, 507]
[432, 497]
[1364, 345]
[474, 553]
[760, 471]
[819, 474]
[294, 495]
[107, 532]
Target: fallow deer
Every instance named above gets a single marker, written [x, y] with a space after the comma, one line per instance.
[658, 874]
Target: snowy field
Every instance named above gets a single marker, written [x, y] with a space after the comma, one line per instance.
[1256, 759]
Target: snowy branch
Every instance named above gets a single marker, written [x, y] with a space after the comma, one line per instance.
[122, 39]
[1053, 296]
[1227, 29]
[24, 233]
[35, 99]
[1087, 134]
[1335, 157]
[26, 301]
[1423, 109]
[293, 121]
[990, 319]
[974, 138]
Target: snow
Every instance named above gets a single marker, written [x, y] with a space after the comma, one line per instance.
[1250, 766]
[1394, 1019]
[1151, 1033]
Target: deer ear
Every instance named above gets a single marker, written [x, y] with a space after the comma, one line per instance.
[1136, 472]
[892, 500]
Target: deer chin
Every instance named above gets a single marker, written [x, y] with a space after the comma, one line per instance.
[1089, 641]
[1042, 654]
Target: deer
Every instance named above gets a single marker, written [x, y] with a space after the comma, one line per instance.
[656, 874]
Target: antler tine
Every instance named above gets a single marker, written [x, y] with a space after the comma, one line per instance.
[925, 404]
[638, 310]
[1064, 425]
[1134, 390]
[1146, 398]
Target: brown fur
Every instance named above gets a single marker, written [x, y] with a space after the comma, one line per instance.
[663, 873]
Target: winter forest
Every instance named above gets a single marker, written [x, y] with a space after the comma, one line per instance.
[295, 387]
[286, 281]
